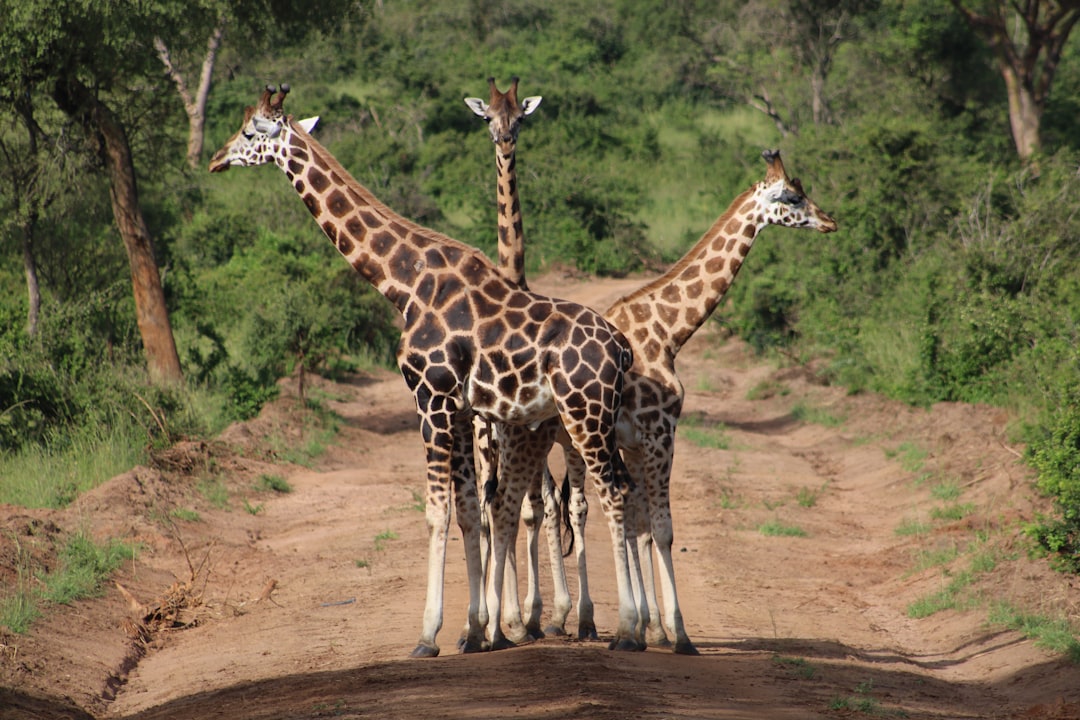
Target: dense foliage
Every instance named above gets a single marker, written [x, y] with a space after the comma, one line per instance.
[953, 276]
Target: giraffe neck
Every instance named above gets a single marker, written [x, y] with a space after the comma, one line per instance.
[511, 231]
[388, 250]
[664, 314]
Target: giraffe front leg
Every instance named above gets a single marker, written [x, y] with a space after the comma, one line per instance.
[437, 514]
[467, 504]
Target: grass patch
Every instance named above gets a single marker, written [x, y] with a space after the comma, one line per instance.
[185, 514]
[52, 477]
[953, 512]
[775, 528]
[1053, 634]
[808, 497]
[816, 415]
[83, 566]
[911, 456]
[362, 563]
[911, 526]
[253, 509]
[705, 436]
[383, 537]
[768, 389]
[932, 558]
[274, 482]
[946, 491]
[799, 667]
[213, 489]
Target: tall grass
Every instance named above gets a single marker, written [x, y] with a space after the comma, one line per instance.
[51, 476]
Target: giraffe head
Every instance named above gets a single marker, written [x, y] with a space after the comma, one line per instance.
[783, 201]
[261, 139]
[503, 113]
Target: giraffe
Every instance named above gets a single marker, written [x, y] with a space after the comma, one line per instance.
[658, 319]
[471, 343]
[504, 116]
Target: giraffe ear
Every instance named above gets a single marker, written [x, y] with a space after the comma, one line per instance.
[530, 103]
[308, 124]
[478, 106]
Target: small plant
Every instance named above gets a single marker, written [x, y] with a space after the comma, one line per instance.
[362, 563]
[419, 503]
[808, 497]
[767, 389]
[705, 436]
[774, 528]
[912, 527]
[274, 482]
[912, 457]
[931, 558]
[185, 514]
[213, 489]
[798, 667]
[946, 491]
[816, 415]
[253, 509]
[383, 537]
[952, 513]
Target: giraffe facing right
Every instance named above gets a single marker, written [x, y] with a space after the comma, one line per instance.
[658, 319]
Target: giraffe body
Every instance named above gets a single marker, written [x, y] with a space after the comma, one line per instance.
[472, 344]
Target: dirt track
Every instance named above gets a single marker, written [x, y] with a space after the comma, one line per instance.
[308, 606]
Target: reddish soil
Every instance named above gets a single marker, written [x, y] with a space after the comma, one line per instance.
[307, 603]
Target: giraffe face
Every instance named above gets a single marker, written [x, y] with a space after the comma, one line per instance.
[261, 138]
[785, 202]
[504, 114]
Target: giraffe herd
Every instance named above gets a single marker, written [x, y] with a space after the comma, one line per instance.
[500, 373]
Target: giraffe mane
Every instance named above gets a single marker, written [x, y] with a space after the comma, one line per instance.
[689, 258]
[377, 204]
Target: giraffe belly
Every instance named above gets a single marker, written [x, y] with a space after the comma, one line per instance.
[528, 405]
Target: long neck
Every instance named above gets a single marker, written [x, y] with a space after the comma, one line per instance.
[392, 253]
[670, 309]
[511, 232]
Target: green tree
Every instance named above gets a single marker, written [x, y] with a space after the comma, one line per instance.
[1027, 39]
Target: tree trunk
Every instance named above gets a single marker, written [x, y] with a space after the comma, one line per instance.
[33, 289]
[152, 316]
[194, 106]
[1025, 115]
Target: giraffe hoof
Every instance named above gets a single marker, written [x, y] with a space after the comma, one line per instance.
[626, 646]
[685, 648]
[533, 632]
[658, 639]
[587, 632]
[424, 651]
[503, 644]
[466, 646]
[553, 631]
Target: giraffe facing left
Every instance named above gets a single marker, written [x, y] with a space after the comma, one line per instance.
[472, 343]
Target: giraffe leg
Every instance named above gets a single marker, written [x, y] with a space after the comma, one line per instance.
[658, 474]
[579, 511]
[532, 513]
[562, 603]
[467, 505]
[437, 513]
[485, 455]
[527, 454]
[638, 500]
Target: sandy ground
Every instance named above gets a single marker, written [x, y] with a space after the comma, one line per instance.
[307, 603]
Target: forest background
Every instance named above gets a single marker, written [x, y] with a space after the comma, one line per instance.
[143, 300]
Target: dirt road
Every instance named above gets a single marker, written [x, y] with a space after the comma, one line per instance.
[807, 524]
